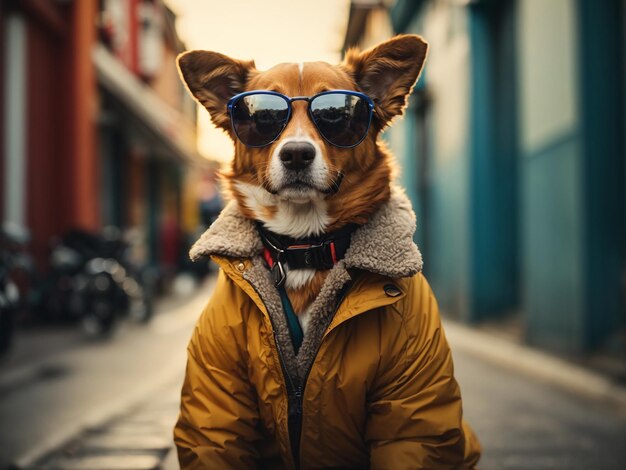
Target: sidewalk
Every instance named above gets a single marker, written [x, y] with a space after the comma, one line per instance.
[110, 404]
[530, 409]
[536, 364]
[137, 439]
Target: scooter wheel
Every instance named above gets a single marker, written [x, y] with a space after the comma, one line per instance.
[100, 320]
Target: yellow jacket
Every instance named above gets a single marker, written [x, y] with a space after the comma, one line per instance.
[371, 387]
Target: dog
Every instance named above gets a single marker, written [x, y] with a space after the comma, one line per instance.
[320, 293]
[296, 202]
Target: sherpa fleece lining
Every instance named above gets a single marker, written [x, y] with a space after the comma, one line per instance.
[383, 246]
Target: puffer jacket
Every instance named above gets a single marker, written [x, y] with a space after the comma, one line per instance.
[372, 385]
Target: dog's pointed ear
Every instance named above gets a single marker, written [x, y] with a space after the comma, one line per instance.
[388, 72]
[213, 78]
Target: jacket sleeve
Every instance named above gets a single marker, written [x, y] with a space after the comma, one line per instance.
[414, 411]
[218, 423]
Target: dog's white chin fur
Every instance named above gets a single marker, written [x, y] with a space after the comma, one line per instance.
[298, 213]
[303, 195]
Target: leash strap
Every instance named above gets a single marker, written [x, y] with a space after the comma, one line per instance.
[295, 329]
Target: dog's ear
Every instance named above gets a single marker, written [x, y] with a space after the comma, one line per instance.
[388, 72]
[213, 78]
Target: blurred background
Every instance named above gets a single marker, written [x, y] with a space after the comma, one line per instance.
[512, 150]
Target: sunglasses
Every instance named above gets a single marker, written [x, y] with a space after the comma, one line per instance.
[342, 117]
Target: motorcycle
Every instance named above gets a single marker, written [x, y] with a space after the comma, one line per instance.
[12, 259]
[103, 295]
[140, 280]
[89, 282]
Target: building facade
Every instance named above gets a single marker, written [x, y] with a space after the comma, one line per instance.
[96, 128]
[513, 153]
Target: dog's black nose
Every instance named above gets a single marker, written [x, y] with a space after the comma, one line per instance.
[297, 155]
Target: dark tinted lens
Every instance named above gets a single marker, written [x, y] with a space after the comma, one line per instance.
[258, 119]
[341, 118]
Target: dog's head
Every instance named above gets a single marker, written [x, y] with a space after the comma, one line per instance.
[301, 170]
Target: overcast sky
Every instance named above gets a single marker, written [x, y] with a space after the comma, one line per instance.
[270, 32]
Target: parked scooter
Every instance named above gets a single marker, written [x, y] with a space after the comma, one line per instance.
[141, 280]
[103, 294]
[12, 259]
[89, 281]
[55, 298]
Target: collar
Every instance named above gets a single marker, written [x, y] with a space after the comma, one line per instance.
[384, 245]
[321, 252]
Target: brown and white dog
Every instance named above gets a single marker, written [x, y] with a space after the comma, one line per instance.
[261, 181]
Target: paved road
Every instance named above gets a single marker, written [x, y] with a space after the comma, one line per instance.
[522, 422]
[48, 397]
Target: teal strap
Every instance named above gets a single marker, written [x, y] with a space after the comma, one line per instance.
[297, 335]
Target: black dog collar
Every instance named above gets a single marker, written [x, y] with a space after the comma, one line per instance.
[321, 252]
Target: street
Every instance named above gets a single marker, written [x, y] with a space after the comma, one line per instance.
[113, 404]
[47, 400]
[523, 423]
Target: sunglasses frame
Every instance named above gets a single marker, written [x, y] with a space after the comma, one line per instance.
[308, 99]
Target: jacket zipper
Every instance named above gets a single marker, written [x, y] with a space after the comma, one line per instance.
[295, 394]
[295, 398]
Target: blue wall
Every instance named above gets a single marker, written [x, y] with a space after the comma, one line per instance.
[522, 210]
[436, 129]
[493, 160]
[552, 244]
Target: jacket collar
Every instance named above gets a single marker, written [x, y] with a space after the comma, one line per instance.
[383, 246]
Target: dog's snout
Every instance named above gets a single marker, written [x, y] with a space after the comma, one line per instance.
[297, 155]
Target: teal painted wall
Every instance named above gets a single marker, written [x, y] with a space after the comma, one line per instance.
[601, 68]
[449, 258]
[493, 157]
[526, 200]
[573, 172]
[552, 244]
[440, 106]
[551, 175]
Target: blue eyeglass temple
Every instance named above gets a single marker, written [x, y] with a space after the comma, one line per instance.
[308, 99]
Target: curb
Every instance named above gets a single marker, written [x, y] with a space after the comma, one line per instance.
[535, 363]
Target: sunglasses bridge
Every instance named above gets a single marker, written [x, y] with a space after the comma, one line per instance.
[300, 98]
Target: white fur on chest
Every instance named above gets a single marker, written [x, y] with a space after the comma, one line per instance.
[305, 319]
[296, 278]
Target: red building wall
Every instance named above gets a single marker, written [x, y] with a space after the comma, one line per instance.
[62, 171]
[85, 189]
[47, 166]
